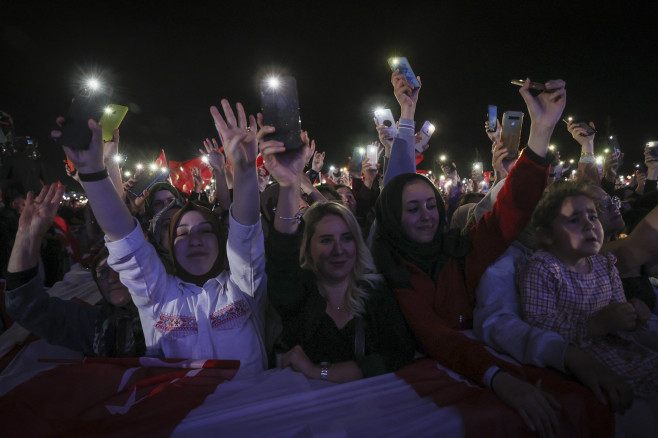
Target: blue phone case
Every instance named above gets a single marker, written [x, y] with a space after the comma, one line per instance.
[401, 64]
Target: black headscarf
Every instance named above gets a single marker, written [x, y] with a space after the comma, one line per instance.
[221, 262]
[391, 248]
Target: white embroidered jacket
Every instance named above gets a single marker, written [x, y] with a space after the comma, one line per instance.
[224, 319]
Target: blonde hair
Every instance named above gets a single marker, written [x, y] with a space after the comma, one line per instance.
[364, 267]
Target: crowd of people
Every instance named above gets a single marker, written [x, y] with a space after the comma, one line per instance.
[362, 274]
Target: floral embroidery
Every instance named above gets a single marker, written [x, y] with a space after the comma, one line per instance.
[176, 325]
[231, 316]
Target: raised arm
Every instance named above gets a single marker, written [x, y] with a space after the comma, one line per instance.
[218, 164]
[287, 168]
[241, 148]
[403, 155]
[108, 207]
[587, 167]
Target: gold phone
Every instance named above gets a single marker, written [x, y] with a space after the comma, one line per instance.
[510, 134]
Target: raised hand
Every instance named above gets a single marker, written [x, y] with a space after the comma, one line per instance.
[216, 158]
[406, 95]
[493, 135]
[89, 160]
[500, 165]
[318, 160]
[39, 212]
[239, 139]
[111, 148]
[198, 180]
[384, 137]
[285, 166]
[546, 108]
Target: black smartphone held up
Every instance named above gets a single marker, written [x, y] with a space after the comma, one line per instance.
[533, 85]
[613, 144]
[75, 129]
[493, 118]
[280, 108]
[357, 158]
[147, 178]
[510, 134]
[588, 129]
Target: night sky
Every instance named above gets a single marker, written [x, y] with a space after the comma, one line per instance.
[169, 63]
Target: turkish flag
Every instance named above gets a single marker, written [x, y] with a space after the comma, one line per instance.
[181, 174]
[110, 396]
[162, 160]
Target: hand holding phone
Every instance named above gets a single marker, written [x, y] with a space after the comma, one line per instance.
[357, 157]
[384, 117]
[75, 132]
[533, 85]
[588, 130]
[613, 144]
[401, 64]
[111, 119]
[424, 136]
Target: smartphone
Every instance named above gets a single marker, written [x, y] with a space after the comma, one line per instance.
[425, 133]
[613, 144]
[640, 167]
[111, 119]
[533, 85]
[280, 108]
[401, 64]
[357, 158]
[588, 129]
[75, 129]
[372, 154]
[493, 118]
[147, 178]
[510, 134]
[385, 117]
[652, 146]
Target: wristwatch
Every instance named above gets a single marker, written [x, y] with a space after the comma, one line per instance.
[324, 370]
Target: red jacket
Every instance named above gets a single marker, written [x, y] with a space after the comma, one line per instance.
[437, 313]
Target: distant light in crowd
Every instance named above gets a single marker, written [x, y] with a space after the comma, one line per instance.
[611, 137]
[561, 163]
[395, 61]
[139, 166]
[126, 174]
[571, 161]
[181, 168]
[599, 160]
[551, 147]
[442, 158]
[605, 151]
[378, 110]
[362, 151]
[118, 158]
[153, 166]
[570, 119]
[163, 169]
[332, 168]
[205, 159]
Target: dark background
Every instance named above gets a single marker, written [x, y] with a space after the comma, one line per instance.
[170, 61]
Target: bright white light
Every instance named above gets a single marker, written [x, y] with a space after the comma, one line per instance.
[205, 159]
[273, 82]
[599, 160]
[181, 168]
[571, 161]
[605, 151]
[430, 129]
[561, 163]
[153, 166]
[126, 174]
[108, 110]
[569, 118]
[93, 84]
[378, 110]
[117, 158]
[396, 61]
[611, 137]
[476, 166]
[362, 151]
[430, 172]
[212, 180]
[332, 168]
[163, 169]
[139, 166]
[551, 147]
[442, 158]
